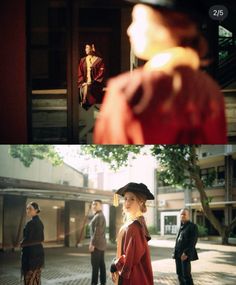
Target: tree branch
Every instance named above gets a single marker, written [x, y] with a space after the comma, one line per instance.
[205, 205]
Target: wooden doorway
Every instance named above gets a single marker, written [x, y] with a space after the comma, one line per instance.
[100, 26]
[57, 31]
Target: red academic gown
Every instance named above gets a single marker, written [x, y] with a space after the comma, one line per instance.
[142, 108]
[134, 265]
[97, 76]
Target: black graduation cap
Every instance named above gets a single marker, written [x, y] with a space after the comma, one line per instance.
[136, 188]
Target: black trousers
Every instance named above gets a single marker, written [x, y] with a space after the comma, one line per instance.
[183, 270]
[98, 263]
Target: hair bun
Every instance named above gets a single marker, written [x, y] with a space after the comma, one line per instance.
[35, 206]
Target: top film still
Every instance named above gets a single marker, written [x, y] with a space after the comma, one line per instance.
[118, 72]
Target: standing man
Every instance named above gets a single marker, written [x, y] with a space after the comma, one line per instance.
[97, 244]
[185, 251]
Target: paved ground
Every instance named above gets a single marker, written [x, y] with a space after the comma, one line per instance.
[71, 266]
[216, 264]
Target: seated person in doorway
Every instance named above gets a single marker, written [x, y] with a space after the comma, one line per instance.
[91, 72]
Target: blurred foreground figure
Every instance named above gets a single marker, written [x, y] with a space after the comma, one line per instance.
[32, 258]
[169, 100]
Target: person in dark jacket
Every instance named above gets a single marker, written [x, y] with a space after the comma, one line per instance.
[32, 258]
[97, 244]
[185, 250]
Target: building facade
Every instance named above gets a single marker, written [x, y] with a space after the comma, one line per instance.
[61, 191]
[38, 75]
[217, 159]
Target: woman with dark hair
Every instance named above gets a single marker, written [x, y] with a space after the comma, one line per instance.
[91, 72]
[133, 263]
[169, 100]
[32, 259]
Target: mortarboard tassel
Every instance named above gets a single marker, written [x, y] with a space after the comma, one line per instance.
[116, 200]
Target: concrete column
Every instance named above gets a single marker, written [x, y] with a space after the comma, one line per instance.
[74, 222]
[14, 214]
[188, 199]
[115, 222]
[156, 215]
[228, 187]
[158, 221]
[194, 218]
[187, 196]
[112, 224]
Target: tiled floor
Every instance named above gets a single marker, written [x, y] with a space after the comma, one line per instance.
[71, 266]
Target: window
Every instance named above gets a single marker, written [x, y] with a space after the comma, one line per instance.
[207, 172]
[208, 176]
[170, 226]
[226, 43]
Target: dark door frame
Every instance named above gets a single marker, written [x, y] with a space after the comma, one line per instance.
[72, 65]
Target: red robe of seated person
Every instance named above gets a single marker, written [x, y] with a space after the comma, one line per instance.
[95, 92]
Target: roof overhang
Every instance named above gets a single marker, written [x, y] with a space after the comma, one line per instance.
[45, 190]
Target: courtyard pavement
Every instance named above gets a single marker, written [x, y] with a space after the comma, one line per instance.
[71, 266]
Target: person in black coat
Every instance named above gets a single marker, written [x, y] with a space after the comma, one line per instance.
[185, 251]
[32, 258]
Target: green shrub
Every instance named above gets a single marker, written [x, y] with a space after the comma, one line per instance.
[232, 235]
[152, 230]
[87, 231]
[202, 231]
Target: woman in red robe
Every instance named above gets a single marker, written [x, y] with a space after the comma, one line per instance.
[91, 72]
[169, 100]
[132, 265]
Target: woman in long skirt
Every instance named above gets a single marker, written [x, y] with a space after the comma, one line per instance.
[32, 259]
